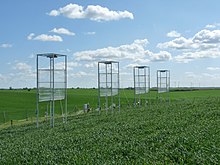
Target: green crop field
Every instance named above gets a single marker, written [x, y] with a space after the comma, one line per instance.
[21, 104]
[186, 131]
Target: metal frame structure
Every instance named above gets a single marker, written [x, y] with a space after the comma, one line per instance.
[141, 83]
[108, 83]
[163, 83]
[51, 83]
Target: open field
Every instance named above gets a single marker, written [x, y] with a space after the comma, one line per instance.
[185, 132]
[21, 104]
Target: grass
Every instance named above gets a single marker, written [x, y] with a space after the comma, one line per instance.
[21, 104]
[185, 132]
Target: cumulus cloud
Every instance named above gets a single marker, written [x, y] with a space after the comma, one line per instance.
[5, 45]
[135, 52]
[132, 51]
[45, 37]
[204, 44]
[91, 64]
[131, 65]
[62, 31]
[212, 26]
[161, 56]
[207, 36]
[177, 43]
[23, 67]
[30, 36]
[186, 57]
[213, 68]
[209, 26]
[173, 34]
[92, 12]
[202, 40]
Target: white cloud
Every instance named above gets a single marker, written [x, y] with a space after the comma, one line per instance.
[92, 12]
[177, 43]
[207, 36]
[202, 40]
[142, 60]
[22, 67]
[212, 26]
[161, 56]
[90, 33]
[54, 13]
[131, 65]
[213, 68]
[204, 44]
[66, 50]
[91, 64]
[5, 45]
[135, 52]
[22, 76]
[132, 51]
[186, 57]
[45, 37]
[62, 31]
[30, 36]
[174, 34]
[71, 65]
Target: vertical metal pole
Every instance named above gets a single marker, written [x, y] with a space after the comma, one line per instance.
[167, 99]
[149, 86]
[161, 78]
[50, 70]
[139, 101]
[106, 85]
[53, 103]
[65, 88]
[169, 85]
[99, 103]
[157, 87]
[52, 91]
[119, 104]
[134, 86]
[145, 85]
[37, 97]
[111, 89]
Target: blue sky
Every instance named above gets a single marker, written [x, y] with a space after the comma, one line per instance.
[183, 36]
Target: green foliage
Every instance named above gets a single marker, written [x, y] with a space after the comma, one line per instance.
[21, 104]
[184, 132]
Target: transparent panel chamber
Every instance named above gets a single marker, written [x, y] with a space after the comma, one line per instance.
[141, 84]
[163, 81]
[51, 81]
[108, 82]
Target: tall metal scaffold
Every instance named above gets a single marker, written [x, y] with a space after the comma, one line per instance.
[163, 85]
[108, 84]
[52, 83]
[141, 85]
